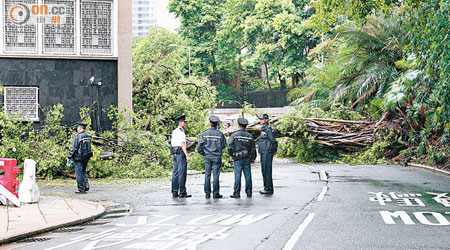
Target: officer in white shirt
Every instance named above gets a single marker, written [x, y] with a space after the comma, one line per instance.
[180, 159]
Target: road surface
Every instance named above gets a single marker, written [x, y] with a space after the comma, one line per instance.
[316, 206]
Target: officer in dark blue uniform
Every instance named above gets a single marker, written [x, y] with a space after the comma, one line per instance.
[180, 159]
[80, 153]
[241, 147]
[211, 144]
[267, 147]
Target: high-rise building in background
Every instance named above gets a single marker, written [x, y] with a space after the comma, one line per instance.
[144, 16]
[147, 13]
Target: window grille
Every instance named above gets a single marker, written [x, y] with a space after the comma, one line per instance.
[19, 38]
[60, 38]
[97, 27]
[22, 101]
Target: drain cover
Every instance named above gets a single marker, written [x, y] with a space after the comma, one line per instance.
[67, 230]
[30, 240]
[112, 216]
[95, 224]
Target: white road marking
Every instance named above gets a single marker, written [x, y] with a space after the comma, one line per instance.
[388, 217]
[322, 194]
[244, 219]
[323, 175]
[146, 232]
[294, 238]
[441, 220]
[83, 238]
[141, 220]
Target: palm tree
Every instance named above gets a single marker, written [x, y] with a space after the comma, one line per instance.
[362, 64]
[369, 58]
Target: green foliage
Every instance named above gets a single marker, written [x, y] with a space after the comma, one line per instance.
[384, 56]
[160, 93]
[359, 63]
[396, 96]
[331, 13]
[51, 144]
[235, 38]
[376, 153]
[47, 145]
[372, 156]
[429, 25]
[304, 150]
[274, 35]
[138, 153]
[160, 90]
[138, 139]
[200, 21]
[13, 134]
[226, 93]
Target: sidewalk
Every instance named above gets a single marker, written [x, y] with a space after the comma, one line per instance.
[50, 213]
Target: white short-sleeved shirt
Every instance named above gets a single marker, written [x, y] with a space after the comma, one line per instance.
[178, 137]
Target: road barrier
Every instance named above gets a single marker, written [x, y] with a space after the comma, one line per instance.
[9, 178]
[28, 190]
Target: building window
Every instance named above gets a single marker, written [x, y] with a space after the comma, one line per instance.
[86, 28]
[22, 101]
[60, 38]
[19, 38]
[97, 27]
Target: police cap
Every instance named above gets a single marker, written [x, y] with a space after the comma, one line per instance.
[180, 118]
[264, 116]
[80, 124]
[214, 119]
[242, 122]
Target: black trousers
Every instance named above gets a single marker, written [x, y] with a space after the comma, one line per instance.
[179, 174]
[82, 175]
[212, 163]
[239, 167]
[266, 169]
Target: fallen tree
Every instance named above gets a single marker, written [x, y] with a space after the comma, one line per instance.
[328, 132]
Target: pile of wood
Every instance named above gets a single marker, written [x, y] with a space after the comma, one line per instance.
[341, 133]
[329, 132]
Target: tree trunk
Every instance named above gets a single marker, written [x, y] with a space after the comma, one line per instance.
[282, 81]
[214, 62]
[238, 81]
[267, 76]
[295, 80]
[329, 132]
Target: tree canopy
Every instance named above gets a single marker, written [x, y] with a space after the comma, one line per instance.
[383, 59]
[237, 38]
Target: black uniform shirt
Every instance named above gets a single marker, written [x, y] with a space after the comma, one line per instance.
[83, 136]
[211, 143]
[242, 140]
[267, 142]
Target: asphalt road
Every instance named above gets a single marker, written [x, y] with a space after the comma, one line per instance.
[355, 207]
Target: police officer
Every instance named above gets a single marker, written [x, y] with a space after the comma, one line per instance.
[180, 159]
[80, 153]
[267, 147]
[241, 147]
[211, 144]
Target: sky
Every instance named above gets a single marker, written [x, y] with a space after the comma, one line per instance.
[165, 19]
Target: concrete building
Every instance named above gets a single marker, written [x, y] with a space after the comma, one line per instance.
[147, 13]
[74, 52]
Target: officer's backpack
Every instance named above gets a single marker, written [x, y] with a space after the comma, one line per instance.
[85, 150]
